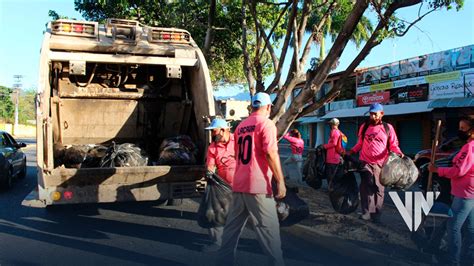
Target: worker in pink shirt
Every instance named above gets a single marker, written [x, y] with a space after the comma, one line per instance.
[220, 156]
[297, 147]
[375, 140]
[258, 162]
[462, 188]
[334, 152]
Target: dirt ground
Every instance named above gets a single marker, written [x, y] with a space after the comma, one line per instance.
[390, 238]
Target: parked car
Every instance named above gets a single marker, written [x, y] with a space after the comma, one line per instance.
[444, 150]
[12, 160]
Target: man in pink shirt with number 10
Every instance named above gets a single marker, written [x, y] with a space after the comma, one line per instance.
[256, 151]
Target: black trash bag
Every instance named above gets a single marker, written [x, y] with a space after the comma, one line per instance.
[215, 203]
[73, 157]
[298, 209]
[398, 173]
[314, 167]
[345, 194]
[124, 155]
[179, 150]
[291, 209]
[283, 210]
[94, 156]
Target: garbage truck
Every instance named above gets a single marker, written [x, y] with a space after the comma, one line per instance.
[119, 83]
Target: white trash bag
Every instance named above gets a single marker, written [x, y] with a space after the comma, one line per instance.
[398, 173]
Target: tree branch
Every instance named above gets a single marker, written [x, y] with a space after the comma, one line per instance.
[401, 34]
[210, 32]
[285, 43]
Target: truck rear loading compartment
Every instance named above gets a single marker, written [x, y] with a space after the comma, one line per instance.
[98, 89]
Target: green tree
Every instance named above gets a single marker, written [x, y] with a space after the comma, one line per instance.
[344, 20]
[6, 105]
[26, 106]
[250, 40]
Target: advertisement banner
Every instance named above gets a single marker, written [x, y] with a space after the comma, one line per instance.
[435, 63]
[346, 104]
[462, 87]
[411, 94]
[370, 98]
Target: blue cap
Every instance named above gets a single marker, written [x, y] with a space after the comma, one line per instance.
[218, 123]
[375, 107]
[261, 99]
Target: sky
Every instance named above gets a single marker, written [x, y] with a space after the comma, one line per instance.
[22, 23]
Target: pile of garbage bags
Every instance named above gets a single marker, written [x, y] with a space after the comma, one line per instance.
[344, 195]
[124, 155]
[398, 173]
[313, 168]
[93, 156]
[215, 202]
[179, 150]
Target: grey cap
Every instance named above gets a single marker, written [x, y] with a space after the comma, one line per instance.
[334, 121]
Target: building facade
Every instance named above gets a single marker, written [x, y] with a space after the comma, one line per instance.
[415, 92]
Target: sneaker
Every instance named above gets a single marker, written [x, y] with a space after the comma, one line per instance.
[211, 248]
[365, 216]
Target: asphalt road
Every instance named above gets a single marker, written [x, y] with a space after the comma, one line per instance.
[139, 233]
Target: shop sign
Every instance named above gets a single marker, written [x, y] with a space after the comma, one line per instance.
[463, 87]
[370, 98]
[411, 94]
[339, 105]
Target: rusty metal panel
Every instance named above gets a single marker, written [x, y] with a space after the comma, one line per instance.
[124, 175]
[88, 121]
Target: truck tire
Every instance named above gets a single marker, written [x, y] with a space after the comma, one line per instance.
[22, 173]
[6, 183]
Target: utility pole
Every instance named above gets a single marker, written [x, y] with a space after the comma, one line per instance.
[16, 98]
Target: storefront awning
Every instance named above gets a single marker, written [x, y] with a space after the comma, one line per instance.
[309, 120]
[452, 102]
[392, 109]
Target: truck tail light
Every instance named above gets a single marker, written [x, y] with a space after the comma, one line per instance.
[160, 35]
[68, 195]
[75, 28]
[56, 195]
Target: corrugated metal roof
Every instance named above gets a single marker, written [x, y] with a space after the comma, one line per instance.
[452, 102]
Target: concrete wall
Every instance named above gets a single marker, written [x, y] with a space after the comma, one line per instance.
[20, 131]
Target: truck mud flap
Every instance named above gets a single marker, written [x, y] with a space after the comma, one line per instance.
[32, 200]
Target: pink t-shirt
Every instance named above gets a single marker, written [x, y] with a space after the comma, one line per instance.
[296, 144]
[222, 155]
[255, 137]
[333, 147]
[462, 172]
[374, 149]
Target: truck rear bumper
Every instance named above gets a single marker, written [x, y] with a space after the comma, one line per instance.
[73, 186]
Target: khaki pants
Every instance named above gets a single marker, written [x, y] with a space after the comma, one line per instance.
[371, 190]
[261, 210]
[296, 159]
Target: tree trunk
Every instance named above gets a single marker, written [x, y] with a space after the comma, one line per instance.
[210, 31]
